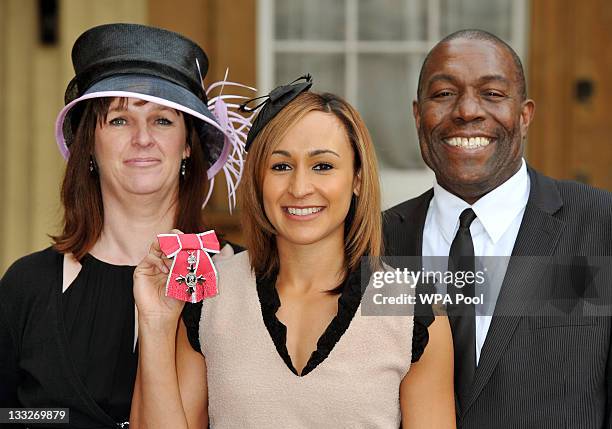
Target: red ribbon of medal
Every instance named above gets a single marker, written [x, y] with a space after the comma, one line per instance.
[193, 276]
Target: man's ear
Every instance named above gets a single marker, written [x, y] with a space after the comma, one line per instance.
[527, 112]
[415, 113]
[357, 183]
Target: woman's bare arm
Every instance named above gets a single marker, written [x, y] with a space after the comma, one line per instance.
[426, 393]
[191, 372]
[156, 401]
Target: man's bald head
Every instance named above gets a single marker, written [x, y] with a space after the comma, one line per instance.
[482, 36]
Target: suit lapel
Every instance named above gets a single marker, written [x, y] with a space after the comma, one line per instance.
[416, 227]
[538, 236]
[407, 233]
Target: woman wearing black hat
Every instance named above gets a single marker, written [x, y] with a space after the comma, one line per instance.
[293, 339]
[141, 144]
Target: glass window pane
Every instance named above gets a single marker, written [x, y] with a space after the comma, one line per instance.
[327, 70]
[494, 16]
[309, 19]
[392, 19]
[387, 87]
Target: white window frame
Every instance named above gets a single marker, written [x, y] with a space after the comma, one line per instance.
[397, 184]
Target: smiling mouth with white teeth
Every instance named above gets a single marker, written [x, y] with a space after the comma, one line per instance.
[303, 211]
[468, 143]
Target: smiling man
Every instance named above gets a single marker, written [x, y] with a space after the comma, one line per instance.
[516, 365]
[472, 115]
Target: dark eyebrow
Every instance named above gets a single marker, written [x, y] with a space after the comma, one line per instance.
[166, 108]
[313, 153]
[483, 79]
[322, 151]
[494, 78]
[440, 77]
[123, 108]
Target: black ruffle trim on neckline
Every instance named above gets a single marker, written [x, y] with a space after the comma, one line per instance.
[348, 302]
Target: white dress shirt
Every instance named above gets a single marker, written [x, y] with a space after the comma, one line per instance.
[494, 231]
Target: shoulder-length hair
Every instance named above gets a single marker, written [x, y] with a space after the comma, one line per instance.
[363, 227]
[81, 195]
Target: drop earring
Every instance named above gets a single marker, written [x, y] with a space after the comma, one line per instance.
[93, 167]
[183, 167]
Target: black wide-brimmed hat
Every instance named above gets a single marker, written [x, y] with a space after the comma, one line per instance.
[152, 64]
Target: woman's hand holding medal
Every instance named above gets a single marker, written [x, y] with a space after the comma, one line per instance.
[150, 277]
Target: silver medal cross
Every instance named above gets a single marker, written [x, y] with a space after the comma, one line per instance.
[190, 279]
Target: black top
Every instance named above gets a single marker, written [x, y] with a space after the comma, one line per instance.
[98, 311]
[348, 303]
[72, 350]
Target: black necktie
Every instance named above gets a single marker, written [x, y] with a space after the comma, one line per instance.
[462, 316]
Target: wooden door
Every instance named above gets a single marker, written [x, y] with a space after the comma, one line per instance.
[570, 68]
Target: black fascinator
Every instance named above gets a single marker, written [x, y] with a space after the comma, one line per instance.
[273, 103]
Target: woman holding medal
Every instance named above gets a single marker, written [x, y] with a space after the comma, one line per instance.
[141, 143]
[285, 343]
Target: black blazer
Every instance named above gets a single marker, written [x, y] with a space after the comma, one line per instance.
[537, 372]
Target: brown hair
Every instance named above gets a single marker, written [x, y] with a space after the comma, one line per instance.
[81, 195]
[363, 227]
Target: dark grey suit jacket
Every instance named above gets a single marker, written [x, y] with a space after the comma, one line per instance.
[535, 371]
